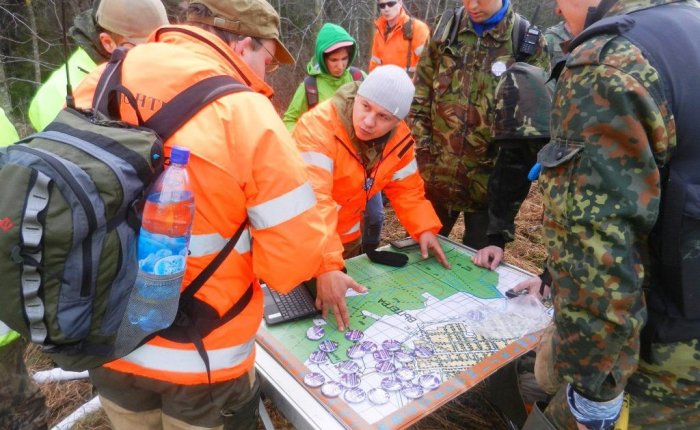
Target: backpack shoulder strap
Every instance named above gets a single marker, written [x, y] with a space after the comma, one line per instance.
[518, 34]
[197, 283]
[407, 29]
[173, 114]
[408, 35]
[106, 98]
[187, 327]
[185, 105]
[525, 37]
[311, 88]
[356, 74]
[448, 26]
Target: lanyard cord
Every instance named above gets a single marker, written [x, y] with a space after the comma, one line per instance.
[370, 179]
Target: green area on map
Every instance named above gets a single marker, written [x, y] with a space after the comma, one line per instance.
[393, 291]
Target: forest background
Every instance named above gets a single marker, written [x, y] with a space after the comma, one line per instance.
[31, 39]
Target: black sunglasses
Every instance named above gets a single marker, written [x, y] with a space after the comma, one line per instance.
[387, 4]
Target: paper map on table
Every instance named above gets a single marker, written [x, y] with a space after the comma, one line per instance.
[452, 326]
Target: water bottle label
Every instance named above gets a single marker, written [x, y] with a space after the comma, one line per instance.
[160, 254]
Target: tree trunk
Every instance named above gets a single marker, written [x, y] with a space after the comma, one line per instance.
[318, 17]
[35, 42]
[5, 100]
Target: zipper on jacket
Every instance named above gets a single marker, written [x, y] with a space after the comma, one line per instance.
[84, 201]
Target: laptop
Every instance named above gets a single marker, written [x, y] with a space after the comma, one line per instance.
[297, 304]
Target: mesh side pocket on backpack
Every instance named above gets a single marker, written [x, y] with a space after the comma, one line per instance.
[152, 306]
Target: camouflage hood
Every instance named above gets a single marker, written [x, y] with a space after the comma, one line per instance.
[84, 34]
[523, 104]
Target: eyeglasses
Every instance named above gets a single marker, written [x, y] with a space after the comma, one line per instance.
[387, 4]
[274, 64]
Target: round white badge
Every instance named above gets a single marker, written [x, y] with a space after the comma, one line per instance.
[498, 68]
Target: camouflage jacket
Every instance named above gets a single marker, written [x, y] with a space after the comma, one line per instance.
[601, 187]
[452, 111]
[554, 36]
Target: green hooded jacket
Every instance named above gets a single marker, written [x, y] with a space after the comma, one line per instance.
[326, 83]
[8, 134]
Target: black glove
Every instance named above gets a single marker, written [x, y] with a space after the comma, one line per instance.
[394, 259]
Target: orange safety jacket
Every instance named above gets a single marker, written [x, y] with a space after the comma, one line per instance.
[339, 176]
[393, 49]
[243, 163]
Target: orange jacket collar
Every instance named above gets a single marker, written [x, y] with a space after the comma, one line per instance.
[205, 40]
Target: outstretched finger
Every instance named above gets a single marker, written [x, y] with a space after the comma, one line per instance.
[424, 249]
[358, 287]
[440, 256]
[324, 311]
[339, 317]
[344, 314]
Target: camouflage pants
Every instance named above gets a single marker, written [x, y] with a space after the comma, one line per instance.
[22, 405]
[664, 392]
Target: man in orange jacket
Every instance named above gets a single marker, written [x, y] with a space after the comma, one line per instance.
[356, 145]
[399, 38]
[243, 165]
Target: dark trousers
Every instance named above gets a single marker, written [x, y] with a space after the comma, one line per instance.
[475, 225]
[372, 222]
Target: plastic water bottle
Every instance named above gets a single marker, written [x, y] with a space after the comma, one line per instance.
[162, 247]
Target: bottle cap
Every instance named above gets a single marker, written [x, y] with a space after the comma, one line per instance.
[179, 155]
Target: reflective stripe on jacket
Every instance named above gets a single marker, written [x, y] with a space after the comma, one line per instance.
[393, 49]
[338, 176]
[243, 163]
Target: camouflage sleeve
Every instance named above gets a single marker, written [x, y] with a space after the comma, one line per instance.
[541, 57]
[601, 191]
[420, 119]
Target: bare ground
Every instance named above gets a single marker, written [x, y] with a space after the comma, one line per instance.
[469, 411]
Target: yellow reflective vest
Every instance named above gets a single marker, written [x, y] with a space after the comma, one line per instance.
[8, 134]
[51, 96]
[7, 335]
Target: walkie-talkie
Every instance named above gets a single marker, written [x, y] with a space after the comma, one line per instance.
[528, 45]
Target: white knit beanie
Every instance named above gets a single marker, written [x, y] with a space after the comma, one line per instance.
[390, 87]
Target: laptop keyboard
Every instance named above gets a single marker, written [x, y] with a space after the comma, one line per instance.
[295, 304]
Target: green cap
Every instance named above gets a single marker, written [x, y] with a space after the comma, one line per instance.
[254, 18]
